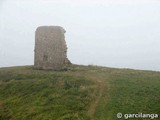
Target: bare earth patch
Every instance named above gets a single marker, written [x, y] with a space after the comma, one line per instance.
[94, 104]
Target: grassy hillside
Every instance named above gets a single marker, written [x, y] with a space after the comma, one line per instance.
[80, 93]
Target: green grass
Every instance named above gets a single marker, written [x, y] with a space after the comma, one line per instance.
[29, 94]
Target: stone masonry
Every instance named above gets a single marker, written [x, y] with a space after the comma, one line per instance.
[50, 48]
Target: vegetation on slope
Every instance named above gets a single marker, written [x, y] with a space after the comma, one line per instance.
[80, 93]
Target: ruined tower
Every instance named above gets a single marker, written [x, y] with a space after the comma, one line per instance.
[50, 48]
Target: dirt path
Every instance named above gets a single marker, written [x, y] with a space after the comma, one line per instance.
[95, 103]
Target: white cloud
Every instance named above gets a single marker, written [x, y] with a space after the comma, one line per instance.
[100, 2]
[90, 2]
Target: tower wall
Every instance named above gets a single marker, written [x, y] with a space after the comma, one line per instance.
[50, 48]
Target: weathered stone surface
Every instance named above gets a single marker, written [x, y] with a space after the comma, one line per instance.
[50, 48]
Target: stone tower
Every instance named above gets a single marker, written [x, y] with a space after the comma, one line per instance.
[50, 48]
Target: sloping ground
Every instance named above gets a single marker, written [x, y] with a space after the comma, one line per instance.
[81, 93]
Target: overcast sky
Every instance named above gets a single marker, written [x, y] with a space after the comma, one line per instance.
[113, 33]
